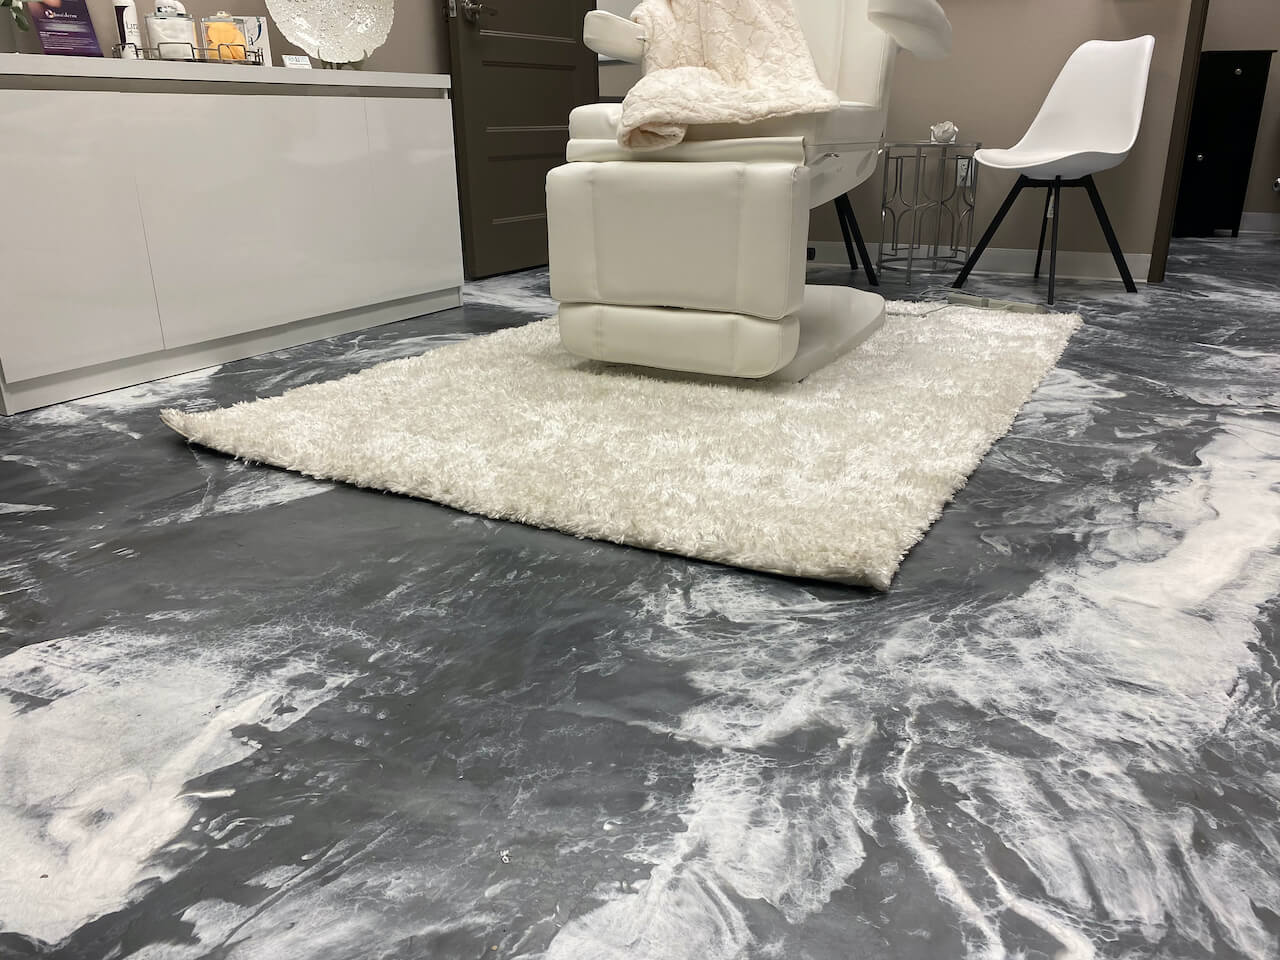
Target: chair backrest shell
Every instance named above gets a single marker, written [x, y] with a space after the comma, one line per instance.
[1095, 104]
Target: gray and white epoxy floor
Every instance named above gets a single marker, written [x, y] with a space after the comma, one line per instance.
[249, 715]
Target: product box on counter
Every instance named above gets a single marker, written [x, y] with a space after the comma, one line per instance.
[224, 35]
[255, 32]
[63, 27]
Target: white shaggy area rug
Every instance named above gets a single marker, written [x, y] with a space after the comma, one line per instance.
[833, 478]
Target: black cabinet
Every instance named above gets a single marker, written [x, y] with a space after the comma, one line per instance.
[1224, 127]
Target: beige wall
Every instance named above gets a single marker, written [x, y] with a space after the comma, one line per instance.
[1005, 56]
[616, 78]
[418, 42]
[1254, 25]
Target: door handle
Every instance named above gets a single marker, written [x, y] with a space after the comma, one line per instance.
[471, 9]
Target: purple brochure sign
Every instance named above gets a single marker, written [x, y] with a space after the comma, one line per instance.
[64, 27]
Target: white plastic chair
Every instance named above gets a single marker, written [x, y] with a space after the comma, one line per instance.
[1087, 123]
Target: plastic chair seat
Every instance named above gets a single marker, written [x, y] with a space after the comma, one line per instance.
[1045, 164]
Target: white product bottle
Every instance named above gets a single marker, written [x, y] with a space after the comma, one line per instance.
[128, 29]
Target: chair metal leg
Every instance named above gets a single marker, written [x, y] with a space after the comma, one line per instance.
[848, 223]
[1056, 192]
[991, 232]
[1044, 224]
[848, 237]
[1112, 242]
[862, 246]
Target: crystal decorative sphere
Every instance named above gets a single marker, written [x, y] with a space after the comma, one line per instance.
[339, 31]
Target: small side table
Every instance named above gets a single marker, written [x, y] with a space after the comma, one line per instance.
[926, 206]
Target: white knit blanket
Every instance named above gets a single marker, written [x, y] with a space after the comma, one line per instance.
[718, 61]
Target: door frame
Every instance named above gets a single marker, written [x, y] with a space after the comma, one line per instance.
[1187, 75]
[468, 100]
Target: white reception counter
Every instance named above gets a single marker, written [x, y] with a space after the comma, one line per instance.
[158, 217]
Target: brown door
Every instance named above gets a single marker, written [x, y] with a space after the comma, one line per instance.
[519, 67]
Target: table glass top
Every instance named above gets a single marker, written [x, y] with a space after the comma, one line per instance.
[912, 144]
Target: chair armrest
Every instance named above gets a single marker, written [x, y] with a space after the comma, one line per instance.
[613, 36]
[918, 26]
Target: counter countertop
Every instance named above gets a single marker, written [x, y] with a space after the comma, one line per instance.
[40, 65]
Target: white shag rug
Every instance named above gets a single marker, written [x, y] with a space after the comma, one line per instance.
[835, 478]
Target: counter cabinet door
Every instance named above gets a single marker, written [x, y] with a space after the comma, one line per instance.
[413, 242]
[75, 285]
[257, 209]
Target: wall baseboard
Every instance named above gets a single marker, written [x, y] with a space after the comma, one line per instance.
[42, 391]
[1072, 264]
[1260, 222]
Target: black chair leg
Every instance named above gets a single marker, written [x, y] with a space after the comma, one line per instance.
[991, 232]
[1044, 223]
[1056, 192]
[1112, 242]
[862, 248]
[848, 237]
[849, 222]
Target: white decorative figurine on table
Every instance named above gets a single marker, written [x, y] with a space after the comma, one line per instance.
[944, 132]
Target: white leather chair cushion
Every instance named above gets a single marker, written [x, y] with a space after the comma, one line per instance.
[746, 150]
[695, 341]
[832, 321]
[706, 236]
[840, 147]
[848, 124]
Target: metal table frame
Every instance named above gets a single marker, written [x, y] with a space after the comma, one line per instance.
[953, 200]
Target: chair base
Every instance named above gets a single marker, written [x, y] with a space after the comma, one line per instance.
[1052, 211]
[832, 321]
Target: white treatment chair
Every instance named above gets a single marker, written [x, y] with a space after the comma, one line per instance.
[692, 257]
[1088, 123]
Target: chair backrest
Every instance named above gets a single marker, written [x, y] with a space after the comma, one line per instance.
[853, 56]
[1096, 103]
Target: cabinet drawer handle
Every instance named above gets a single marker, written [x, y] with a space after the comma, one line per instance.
[1239, 71]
